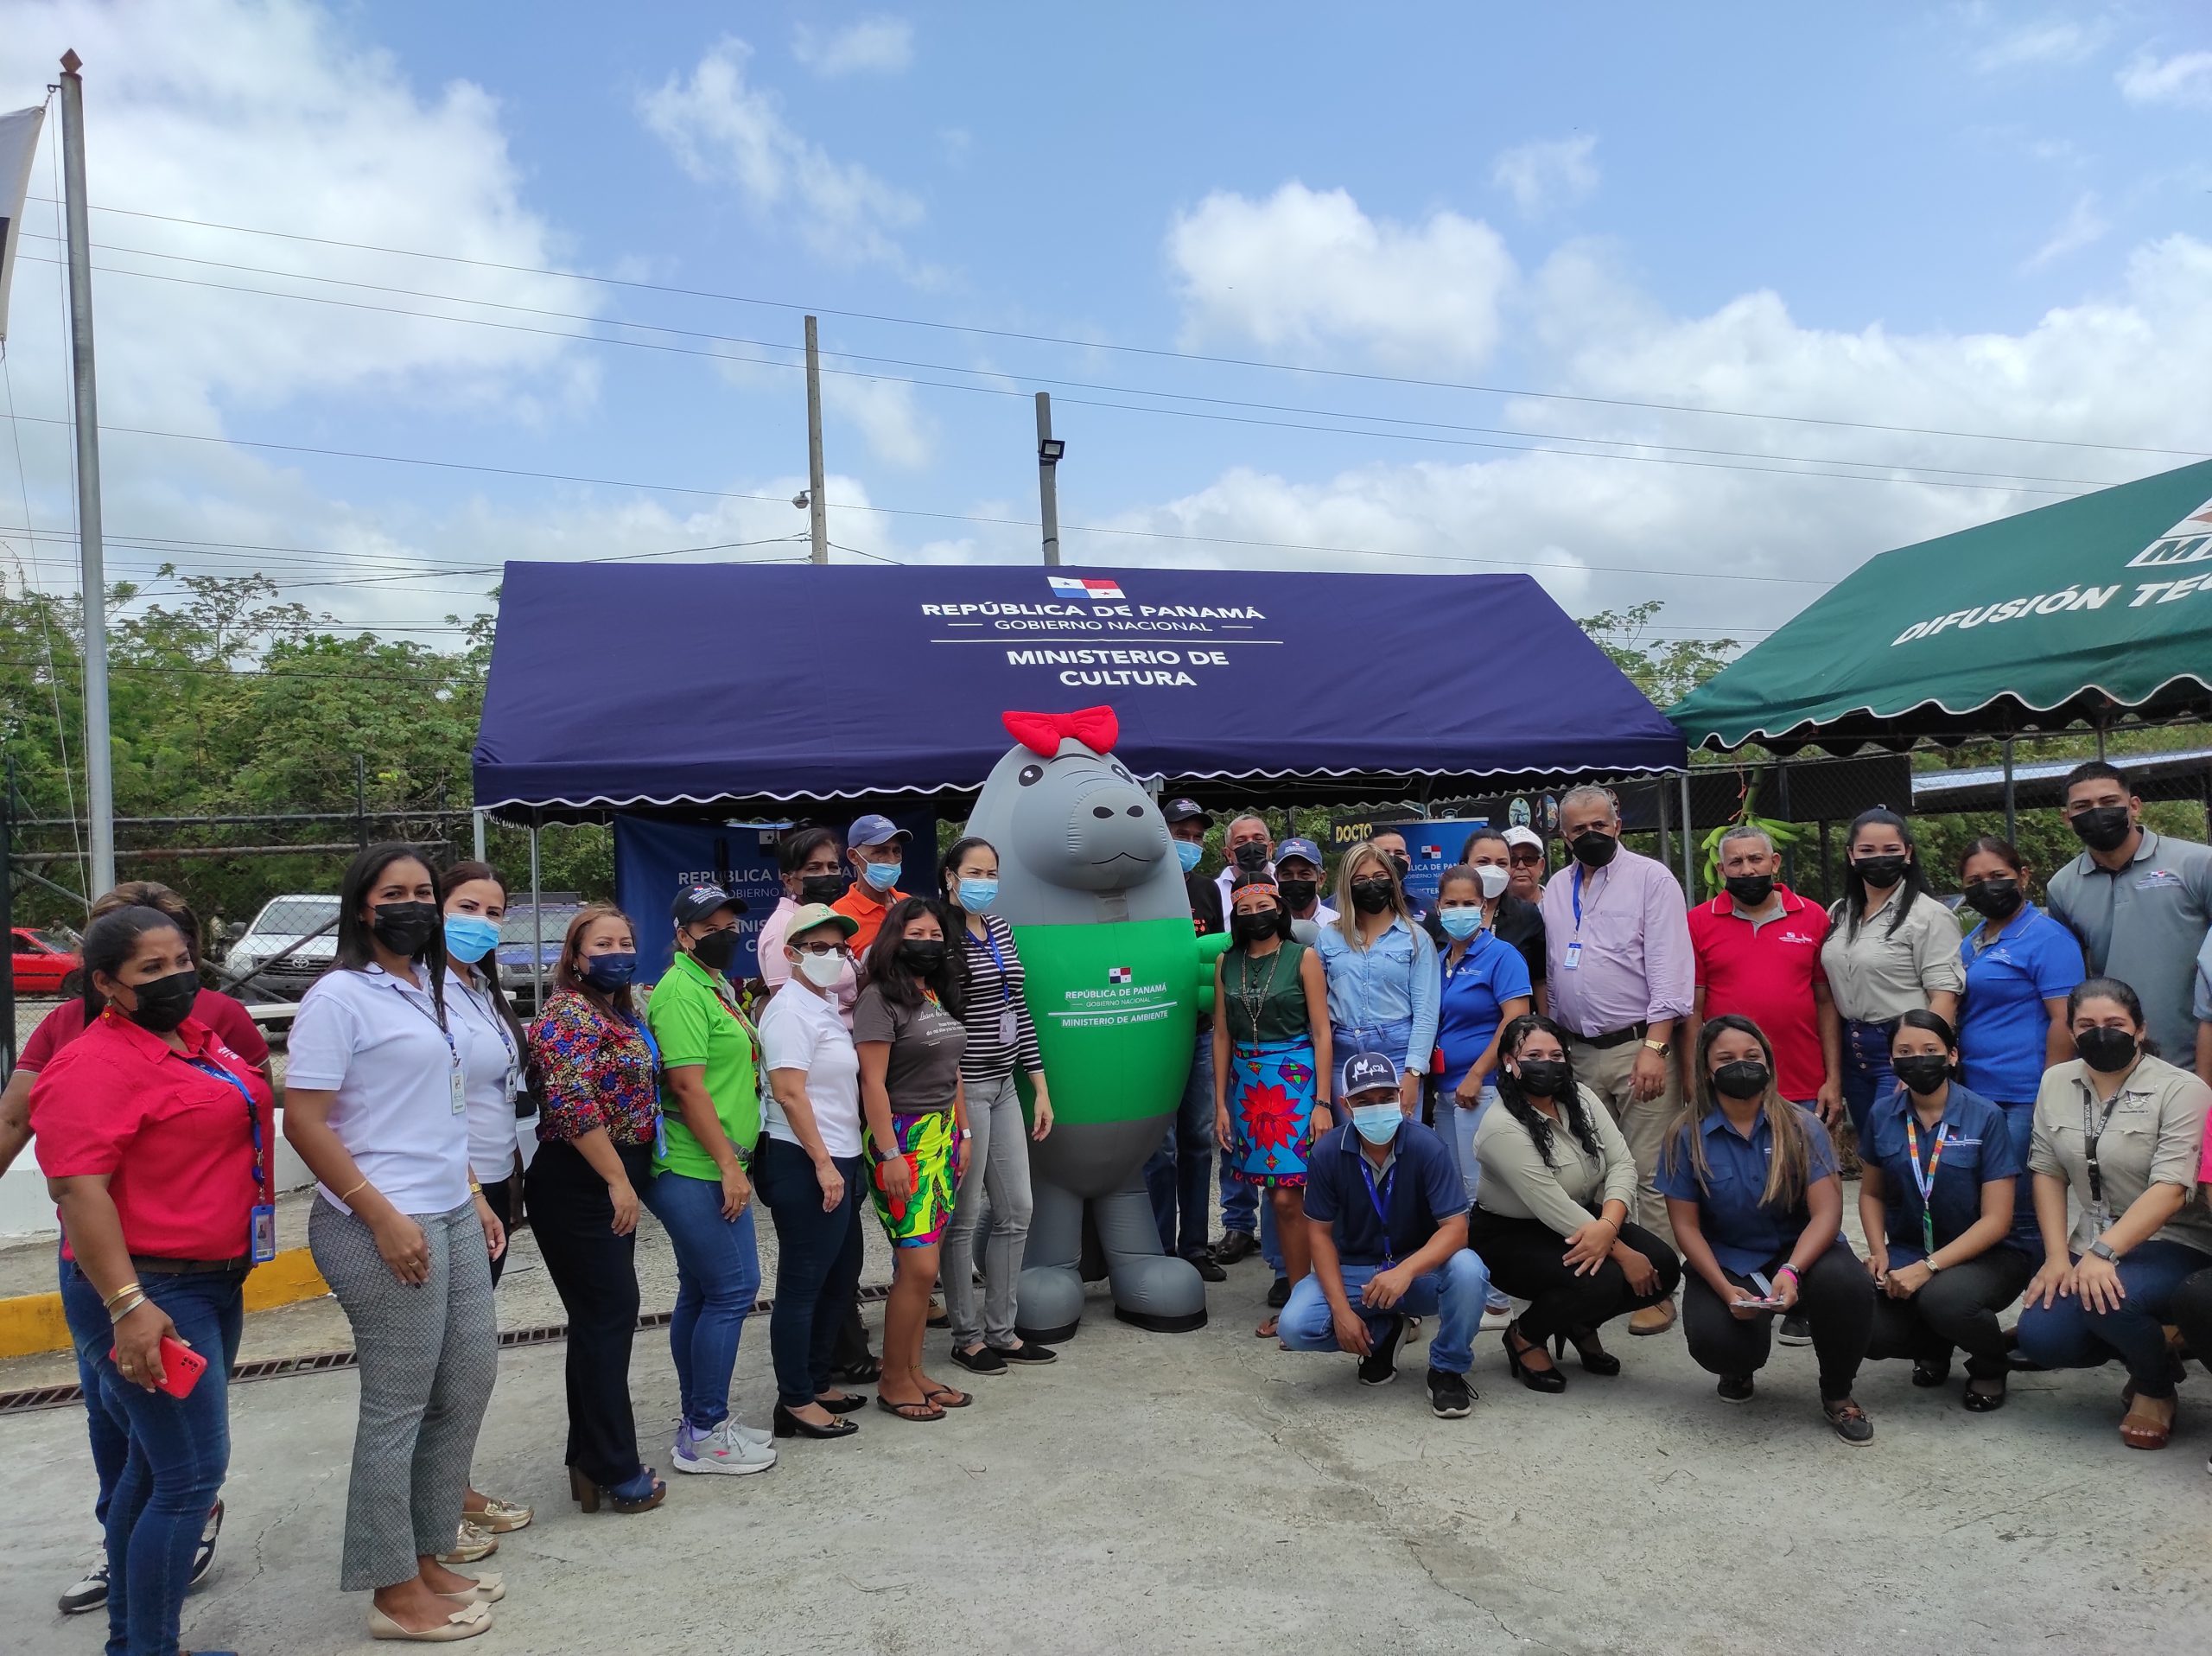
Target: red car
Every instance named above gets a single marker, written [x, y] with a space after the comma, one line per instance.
[43, 960]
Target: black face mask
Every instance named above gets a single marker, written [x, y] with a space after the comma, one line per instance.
[923, 956]
[1247, 927]
[1923, 1072]
[1543, 1078]
[1593, 847]
[2106, 1051]
[1401, 862]
[1880, 872]
[2104, 828]
[823, 888]
[405, 927]
[1745, 1079]
[1371, 896]
[1750, 889]
[166, 1002]
[716, 950]
[1998, 899]
[1299, 894]
[1252, 854]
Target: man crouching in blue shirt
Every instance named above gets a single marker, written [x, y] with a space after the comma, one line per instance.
[1386, 1212]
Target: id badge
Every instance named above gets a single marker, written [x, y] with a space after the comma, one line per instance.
[460, 1095]
[264, 1232]
[660, 1138]
[1574, 957]
[2100, 1219]
[1005, 1028]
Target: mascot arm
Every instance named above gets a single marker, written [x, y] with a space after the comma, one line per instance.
[1211, 949]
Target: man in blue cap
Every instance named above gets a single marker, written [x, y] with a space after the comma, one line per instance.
[1385, 1216]
[1298, 876]
[876, 847]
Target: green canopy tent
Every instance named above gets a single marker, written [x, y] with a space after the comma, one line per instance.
[2093, 609]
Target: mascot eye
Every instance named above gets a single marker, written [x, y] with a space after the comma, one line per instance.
[1119, 772]
[1030, 774]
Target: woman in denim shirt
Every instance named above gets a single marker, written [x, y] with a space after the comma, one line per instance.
[1383, 980]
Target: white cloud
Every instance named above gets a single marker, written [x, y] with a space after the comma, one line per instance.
[723, 131]
[884, 410]
[2058, 41]
[2082, 225]
[1548, 172]
[2184, 79]
[876, 45]
[1305, 267]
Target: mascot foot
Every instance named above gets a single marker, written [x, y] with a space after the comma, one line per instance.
[1162, 1295]
[1051, 1304]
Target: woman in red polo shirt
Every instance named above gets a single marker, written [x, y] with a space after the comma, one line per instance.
[156, 1140]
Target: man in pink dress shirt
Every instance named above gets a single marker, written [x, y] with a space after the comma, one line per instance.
[1622, 974]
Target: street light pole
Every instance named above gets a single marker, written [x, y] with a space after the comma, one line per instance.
[100, 779]
[1049, 451]
[817, 508]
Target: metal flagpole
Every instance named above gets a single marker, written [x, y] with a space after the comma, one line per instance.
[100, 779]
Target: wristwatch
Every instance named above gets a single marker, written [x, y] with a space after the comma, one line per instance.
[1664, 1048]
[2102, 1249]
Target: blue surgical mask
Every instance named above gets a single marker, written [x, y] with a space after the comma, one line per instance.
[1377, 1123]
[609, 972]
[883, 875]
[1459, 924]
[977, 895]
[1190, 853]
[469, 938]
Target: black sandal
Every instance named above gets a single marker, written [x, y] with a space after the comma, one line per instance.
[861, 1373]
[1596, 1360]
[946, 1397]
[915, 1411]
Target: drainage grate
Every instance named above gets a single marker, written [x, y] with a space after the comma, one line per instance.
[32, 1398]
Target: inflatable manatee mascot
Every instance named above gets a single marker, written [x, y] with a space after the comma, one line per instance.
[1097, 901]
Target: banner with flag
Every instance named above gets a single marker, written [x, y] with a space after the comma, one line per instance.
[18, 144]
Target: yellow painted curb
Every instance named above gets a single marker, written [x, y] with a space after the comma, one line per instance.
[33, 1322]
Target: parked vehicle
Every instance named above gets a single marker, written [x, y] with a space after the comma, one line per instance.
[42, 959]
[258, 961]
[518, 931]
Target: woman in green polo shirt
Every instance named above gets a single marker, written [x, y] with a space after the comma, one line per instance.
[710, 1111]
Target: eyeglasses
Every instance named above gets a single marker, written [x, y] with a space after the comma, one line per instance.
[1527, 856]
[820, 950]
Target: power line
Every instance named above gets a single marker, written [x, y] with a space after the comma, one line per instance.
[1156, 351]
[2003, 479]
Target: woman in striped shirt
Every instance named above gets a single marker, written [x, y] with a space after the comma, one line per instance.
[1001, 1038]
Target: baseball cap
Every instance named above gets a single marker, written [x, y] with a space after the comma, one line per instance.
[1518, 835]
[1287, 849]
[870, 831]
[700, 901]
[1367, 1071]
[1185, 811]
[807, 916]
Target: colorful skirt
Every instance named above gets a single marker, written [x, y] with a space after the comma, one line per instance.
[918, 1219]
[1271, 1100]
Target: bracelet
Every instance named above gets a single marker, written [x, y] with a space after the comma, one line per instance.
[1790, 1271]
[128, 1288]
[115, 1314]
[348, 1195]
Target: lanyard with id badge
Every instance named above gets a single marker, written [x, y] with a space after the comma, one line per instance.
[1573, 958]
[263, 1228]
[660, 1119]
[1380, 1197]
[1009, 1024]
[1925, 1182]
[438, 1022]
[2093, 1129]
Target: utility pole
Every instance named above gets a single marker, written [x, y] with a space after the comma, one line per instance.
[100, 779]
[817, 509]
[1049, 451]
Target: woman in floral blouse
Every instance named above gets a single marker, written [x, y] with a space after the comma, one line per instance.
[596, 1140]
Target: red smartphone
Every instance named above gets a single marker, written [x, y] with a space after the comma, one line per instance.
[181, 1367]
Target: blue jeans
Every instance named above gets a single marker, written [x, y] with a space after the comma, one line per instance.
[1866, 1075]
[717, 1276]
[1458, 1134]
[2068, 1335]
[177, 1451]
[1180, 1176]
[1454, 1295]
[110, 1443]
[817, 1267]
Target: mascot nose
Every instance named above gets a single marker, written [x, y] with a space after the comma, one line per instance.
[1118, 823]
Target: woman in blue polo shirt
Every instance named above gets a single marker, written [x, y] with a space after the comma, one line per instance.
[1936, 1189]
[2021, 965]
[1751, 1193]
[1486, 986]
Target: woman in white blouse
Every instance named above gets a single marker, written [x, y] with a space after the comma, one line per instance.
[1551, 1218]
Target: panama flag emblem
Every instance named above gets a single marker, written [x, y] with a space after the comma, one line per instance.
[1099, 592]
[1120, 975]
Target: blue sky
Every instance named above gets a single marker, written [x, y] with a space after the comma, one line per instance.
[1966, 218]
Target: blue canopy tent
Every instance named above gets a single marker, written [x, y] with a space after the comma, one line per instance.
[721, 690]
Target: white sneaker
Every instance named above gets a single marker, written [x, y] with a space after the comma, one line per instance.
[760, 1435]
[723, 1449]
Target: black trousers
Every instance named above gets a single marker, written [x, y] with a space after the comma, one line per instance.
[1835, 1296]
[499, 1195]
[1957, 1307]
[1526, 1259]
[2191, 1310]
[596, 1272]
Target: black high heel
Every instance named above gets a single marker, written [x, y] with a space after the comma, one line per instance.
[1596, 1360]
[1536, 1379]
[788, 1424]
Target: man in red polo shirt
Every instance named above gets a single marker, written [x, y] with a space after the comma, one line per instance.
[1759, 955]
